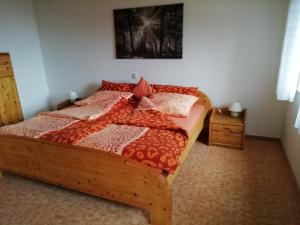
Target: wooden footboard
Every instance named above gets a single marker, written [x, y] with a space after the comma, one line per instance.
[97, 173]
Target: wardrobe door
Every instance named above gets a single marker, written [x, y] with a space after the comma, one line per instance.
[10, 108]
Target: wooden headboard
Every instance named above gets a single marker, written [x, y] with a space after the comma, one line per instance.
[204, 100]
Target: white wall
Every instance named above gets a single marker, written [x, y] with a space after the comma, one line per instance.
[291, 138]
[231, 50]
[19, 37]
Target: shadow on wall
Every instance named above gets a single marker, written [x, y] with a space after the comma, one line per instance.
[89, 89]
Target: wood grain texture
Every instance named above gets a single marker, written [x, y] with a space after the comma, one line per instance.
[97, 173]
[204, 100]
[227, 131]
[10, 107]
[5, 66]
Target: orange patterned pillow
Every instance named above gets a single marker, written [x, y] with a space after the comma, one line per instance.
[176, 89]
[143, 88]
[107, 85]
[173, 104]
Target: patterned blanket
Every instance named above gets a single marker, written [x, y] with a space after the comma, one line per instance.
[87, 112]
[146, 136]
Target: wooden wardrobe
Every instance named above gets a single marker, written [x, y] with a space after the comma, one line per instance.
[10, 108]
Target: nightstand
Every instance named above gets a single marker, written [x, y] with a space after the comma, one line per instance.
[225, 130]
[65, 104]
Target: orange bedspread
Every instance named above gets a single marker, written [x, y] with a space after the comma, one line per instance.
[159, 147]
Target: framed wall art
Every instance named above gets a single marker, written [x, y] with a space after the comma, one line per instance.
[153, 32]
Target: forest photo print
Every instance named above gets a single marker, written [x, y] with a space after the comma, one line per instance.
[149, 32]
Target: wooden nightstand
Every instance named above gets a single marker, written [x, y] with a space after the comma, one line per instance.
[227, 131]
[65, 104]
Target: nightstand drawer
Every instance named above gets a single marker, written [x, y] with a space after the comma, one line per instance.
[226, 130]
[225, 137]
[231, 128]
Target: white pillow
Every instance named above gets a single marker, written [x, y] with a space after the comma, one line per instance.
[173, 104]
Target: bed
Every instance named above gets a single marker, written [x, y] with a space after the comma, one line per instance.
[99, 173]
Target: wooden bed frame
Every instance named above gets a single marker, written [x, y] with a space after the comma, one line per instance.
[97, 173]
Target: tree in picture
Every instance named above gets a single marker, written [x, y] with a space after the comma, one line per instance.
[149, 32]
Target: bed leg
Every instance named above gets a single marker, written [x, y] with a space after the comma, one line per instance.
[1, 174]
[161, 208]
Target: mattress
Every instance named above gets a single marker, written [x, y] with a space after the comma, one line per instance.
[189, 122]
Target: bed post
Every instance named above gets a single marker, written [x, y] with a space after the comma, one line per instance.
[161, 206]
